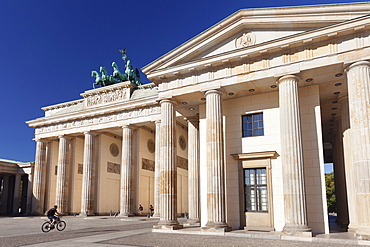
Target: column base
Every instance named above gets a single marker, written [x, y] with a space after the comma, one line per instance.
[168, 227]
[352, 227]
[216, 227]
[297, 230]
[363, 233]
[156, 215]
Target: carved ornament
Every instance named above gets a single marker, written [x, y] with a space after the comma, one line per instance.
[247, 39]
[114, 150]
[151, 146]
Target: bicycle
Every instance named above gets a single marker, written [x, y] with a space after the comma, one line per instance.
[59, 224]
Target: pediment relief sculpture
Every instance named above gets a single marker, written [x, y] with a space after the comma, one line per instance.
[245, 40]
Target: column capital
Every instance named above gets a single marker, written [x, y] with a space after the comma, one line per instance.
[64, 136]
[288, 77]
[219, 91]
[356, 64]
[172, 101]
[40, 140]
[89, 132]
[127, 126]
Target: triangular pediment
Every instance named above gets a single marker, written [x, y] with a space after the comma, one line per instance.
[248, 28]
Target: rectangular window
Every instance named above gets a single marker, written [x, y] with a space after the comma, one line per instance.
[252, 125]
[255, 190]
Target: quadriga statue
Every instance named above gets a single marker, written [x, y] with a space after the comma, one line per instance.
[132, 75]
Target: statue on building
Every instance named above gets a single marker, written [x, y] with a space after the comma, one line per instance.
[130, 74]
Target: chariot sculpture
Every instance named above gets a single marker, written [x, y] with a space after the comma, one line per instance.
[130, 74]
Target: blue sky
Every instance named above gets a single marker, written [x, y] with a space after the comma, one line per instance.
[49, 48]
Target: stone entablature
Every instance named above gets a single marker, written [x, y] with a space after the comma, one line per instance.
[258, 19]
[101, 96]
[103, 119]
[106, 95]
[11, 166]
[101, 108]
[63, 108]
[318, 44]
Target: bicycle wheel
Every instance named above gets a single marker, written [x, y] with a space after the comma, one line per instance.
[61, 225]
[45, 227]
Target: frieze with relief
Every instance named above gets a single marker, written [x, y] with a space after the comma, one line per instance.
[109, 96]
[80, 169]
[182, 163]
[145, 111]
[148, 165]
[113, 168]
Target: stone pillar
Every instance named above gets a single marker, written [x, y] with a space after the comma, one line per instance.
[216, 208]
[295, 208]
[358, 78]
[157, 169]
[5, 195]
[168, 176]
[16, 193]
[351, 189]
[62, 184]
[339, 176]
[193, 172]
[87, 198]
[29, 191]
[39, 178]
[126, 173]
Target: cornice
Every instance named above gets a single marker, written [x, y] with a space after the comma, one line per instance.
[62, 105]
[293, 41]
[94, 112]
[266, 18]
[107, 89]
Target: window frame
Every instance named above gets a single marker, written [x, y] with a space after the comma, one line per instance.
[255, 127]
[257, 196]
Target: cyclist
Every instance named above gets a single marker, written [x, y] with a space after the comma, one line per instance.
[53, 214]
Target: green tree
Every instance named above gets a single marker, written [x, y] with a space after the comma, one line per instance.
[330, 192]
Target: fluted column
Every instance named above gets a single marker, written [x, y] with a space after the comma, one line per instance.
[358, 78]
[193, 171]
[87, 197]
[62, 176]
[215, 163]
[340, 169]
[16, 193]
[351, 189]
[39, 178]
[157, 169]
[126, 173]
[168, 208]
[292, 157]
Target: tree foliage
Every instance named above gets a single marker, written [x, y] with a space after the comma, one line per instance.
[330, 192]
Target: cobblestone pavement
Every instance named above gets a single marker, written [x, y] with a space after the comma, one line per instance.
[111, 231]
